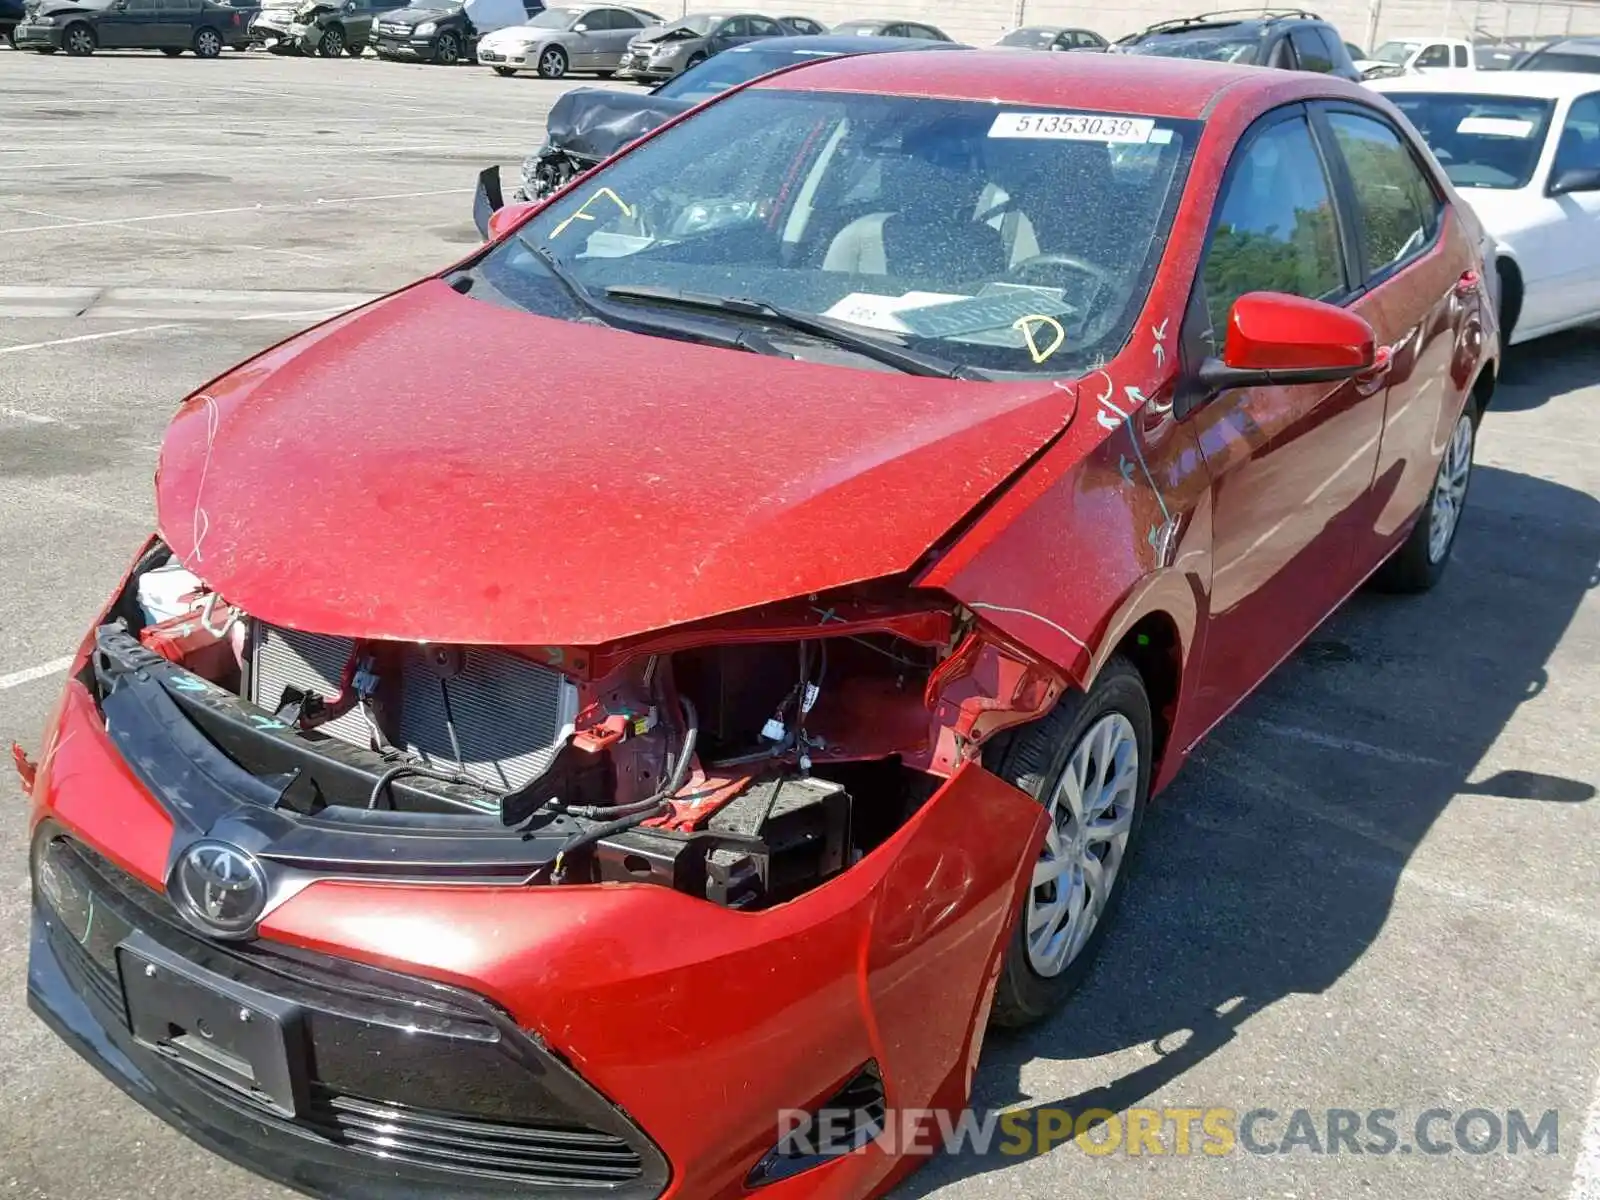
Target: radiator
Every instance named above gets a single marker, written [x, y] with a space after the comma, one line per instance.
[511, 716]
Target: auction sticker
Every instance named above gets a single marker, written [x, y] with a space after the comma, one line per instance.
[1072, 127]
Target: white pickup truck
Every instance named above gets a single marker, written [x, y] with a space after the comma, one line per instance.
[1418, 56]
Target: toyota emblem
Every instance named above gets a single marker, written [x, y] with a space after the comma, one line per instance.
[220, 889]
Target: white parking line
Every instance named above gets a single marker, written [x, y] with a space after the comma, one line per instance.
[1350, 745]
[29, 674]
[85, 337]
[1586, 1171]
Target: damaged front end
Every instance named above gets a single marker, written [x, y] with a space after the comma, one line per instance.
[743, 760]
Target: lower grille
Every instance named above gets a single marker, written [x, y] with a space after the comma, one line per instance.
[518, 1152]
[510, 716]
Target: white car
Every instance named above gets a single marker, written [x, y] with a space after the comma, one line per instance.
[1523, 149]
[1418, 56]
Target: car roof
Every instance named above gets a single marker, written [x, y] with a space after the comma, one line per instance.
[1229, 19]
[1157, 87]
[852, 43]
[1545, 85]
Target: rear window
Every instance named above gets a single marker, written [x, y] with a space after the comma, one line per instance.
[1007, 240]
[1481, 141]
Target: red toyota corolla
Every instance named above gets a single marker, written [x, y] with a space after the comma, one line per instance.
[709, 654]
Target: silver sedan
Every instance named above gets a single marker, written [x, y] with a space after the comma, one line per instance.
[560, 40]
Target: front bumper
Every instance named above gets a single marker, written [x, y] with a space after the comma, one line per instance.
[411, 48]
[37, 37]
[638, 66]
[344, 1143]
[698, 1024]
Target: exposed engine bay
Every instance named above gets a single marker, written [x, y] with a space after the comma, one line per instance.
[744, 763]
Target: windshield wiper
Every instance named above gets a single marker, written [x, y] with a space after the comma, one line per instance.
[912, 362]
[622, 317]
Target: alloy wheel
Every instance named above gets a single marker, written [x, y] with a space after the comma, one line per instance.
[332, 43]
[207, 44]
[1091, 816]
[1450, 490]
[80, 41]
[553, 64]
[448, 51]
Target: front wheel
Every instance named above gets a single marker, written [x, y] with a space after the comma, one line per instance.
[447, 50]
[1088, 761]
[78, 41]
[207, 44]
[552, 62]
[1421, 559]
[332, 43]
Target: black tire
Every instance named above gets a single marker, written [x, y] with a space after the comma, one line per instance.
[447, 49]
[354, 49]
[44, 50]
[505, 72]
[1418, 563]
[207, 43]
[78, 40]
[553, 63]
[172, 51]
[1509, 307]
[1033, 758]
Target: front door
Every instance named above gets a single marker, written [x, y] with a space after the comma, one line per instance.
[124, 23]
[1290, 466]
[1576, 286]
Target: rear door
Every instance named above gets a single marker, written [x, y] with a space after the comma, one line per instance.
[617, 27]
[1420, 283]
[1290, 467]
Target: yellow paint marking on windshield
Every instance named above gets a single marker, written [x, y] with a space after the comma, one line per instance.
[583, 213]
[1030, 326]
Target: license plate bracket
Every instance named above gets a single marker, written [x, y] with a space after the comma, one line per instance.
[246, 1040]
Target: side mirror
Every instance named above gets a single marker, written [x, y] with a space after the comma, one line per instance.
[487, 201]
[1276, 339]
[1575, 179]
[580, 27]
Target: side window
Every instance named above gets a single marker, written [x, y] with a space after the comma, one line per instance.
[1396, 208]
[1461, 56]
[763, 27]
[894, 31]
[1281, 55]
[621, 19]
[734, 27]
[1436, 55]
[1331, 46]
[1308, 48]
[1275, 229]
[1580, 137]
[1085, 38]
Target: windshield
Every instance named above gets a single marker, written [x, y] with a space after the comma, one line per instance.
[1558, 60]
[1480, 141]
[737, 66]
[1396, 52]
[554, 18]
[1036, 39]
[1214, 45]
[999, 239]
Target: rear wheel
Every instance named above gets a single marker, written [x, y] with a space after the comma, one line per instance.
[447, 50]
[1421, 559]
[1088, 762]
[207, 44]
[78, 40]
[331, 44]
[552, 62]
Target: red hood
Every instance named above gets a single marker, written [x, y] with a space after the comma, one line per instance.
[437, 468]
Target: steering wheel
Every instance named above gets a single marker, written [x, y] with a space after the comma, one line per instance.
[1095, 271]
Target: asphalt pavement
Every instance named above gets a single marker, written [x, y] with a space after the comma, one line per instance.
[1378, 887]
